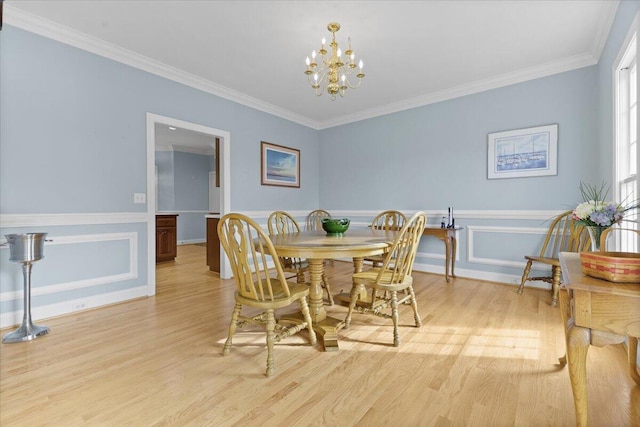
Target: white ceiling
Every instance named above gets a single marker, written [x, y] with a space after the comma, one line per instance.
[253, 52]
[171, 138]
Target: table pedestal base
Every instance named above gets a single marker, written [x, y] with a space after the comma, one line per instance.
[326, 329]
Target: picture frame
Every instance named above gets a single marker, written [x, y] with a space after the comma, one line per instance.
[279, 165]
[521, 153]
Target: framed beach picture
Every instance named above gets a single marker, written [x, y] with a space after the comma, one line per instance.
[279, 165]
[523, 153]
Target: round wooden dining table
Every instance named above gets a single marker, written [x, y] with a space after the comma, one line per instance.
[316, 246]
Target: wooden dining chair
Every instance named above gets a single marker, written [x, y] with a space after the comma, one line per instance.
[314, 222]
[622, 233]
[563, 235]
[386, 220]
[280, 222]
[395, 274]
[248, 248]
[314, 219]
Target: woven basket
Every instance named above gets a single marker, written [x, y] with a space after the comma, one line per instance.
[612, 266]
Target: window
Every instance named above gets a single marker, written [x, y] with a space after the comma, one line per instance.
[626, 134]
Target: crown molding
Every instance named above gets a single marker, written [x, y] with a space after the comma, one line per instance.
[66, 35]
[526, 74]
[609, 11]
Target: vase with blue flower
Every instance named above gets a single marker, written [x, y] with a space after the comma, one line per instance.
[597, 214]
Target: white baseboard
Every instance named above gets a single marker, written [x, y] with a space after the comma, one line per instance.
[191, 241]
[53, 310]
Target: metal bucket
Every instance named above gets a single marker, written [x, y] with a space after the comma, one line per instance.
[28, 247]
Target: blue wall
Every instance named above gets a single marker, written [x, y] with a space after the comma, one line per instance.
[73, 152]
[435, 156]
[183, 188]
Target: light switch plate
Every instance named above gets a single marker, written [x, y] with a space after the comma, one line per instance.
[139, 198]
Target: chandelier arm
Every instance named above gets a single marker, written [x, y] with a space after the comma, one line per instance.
[351, 86]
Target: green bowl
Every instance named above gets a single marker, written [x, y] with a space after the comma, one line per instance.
[335, 227]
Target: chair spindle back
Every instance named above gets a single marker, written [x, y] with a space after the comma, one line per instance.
[248, 248]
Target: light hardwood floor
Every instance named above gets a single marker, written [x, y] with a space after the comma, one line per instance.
[484, 356]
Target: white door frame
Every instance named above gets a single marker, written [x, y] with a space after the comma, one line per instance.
[225, 177]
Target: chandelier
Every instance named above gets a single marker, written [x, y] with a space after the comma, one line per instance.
[332, 72]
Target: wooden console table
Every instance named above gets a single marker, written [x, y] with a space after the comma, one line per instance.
[448, 236]
[596, 312]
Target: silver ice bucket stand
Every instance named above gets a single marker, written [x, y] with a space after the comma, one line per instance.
[26, 249]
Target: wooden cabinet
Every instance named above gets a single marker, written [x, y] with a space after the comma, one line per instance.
[213, 245]
[166, 237]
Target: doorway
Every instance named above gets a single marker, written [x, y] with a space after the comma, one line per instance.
[225, 199]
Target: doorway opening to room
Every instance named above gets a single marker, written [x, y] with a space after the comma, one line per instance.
[181, 158]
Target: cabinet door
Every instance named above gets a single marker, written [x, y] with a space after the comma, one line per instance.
[213, 245]
[166, 237]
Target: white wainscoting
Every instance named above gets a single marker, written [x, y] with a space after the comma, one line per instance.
[130, 272]
[360, 218]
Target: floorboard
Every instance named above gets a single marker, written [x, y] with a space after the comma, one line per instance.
[485, 356]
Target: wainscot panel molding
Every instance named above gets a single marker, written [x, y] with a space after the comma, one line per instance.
[433, 215]
[473, 230]
[61, 219]
[130, 273]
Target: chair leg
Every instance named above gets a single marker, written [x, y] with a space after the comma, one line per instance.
[394, 316]
[300, 276]
[232, 328]
[355, 293]
[414, 305]
[632, 355]
[304, 308]
[325, 285]
[556, 272]
[271, 326]
[525, 275]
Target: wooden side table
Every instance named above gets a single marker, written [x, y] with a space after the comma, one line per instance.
[448, 236]
[596, 312]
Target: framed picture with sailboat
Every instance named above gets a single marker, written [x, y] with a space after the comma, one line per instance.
[523, 153]
[279, 165]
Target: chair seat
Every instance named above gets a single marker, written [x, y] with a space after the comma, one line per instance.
[248, 247]
[370, 277]
[392, 276]
[297, 291]
[563, 235]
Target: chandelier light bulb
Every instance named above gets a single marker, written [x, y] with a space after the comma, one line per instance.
[331, 72]
[360, 64]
